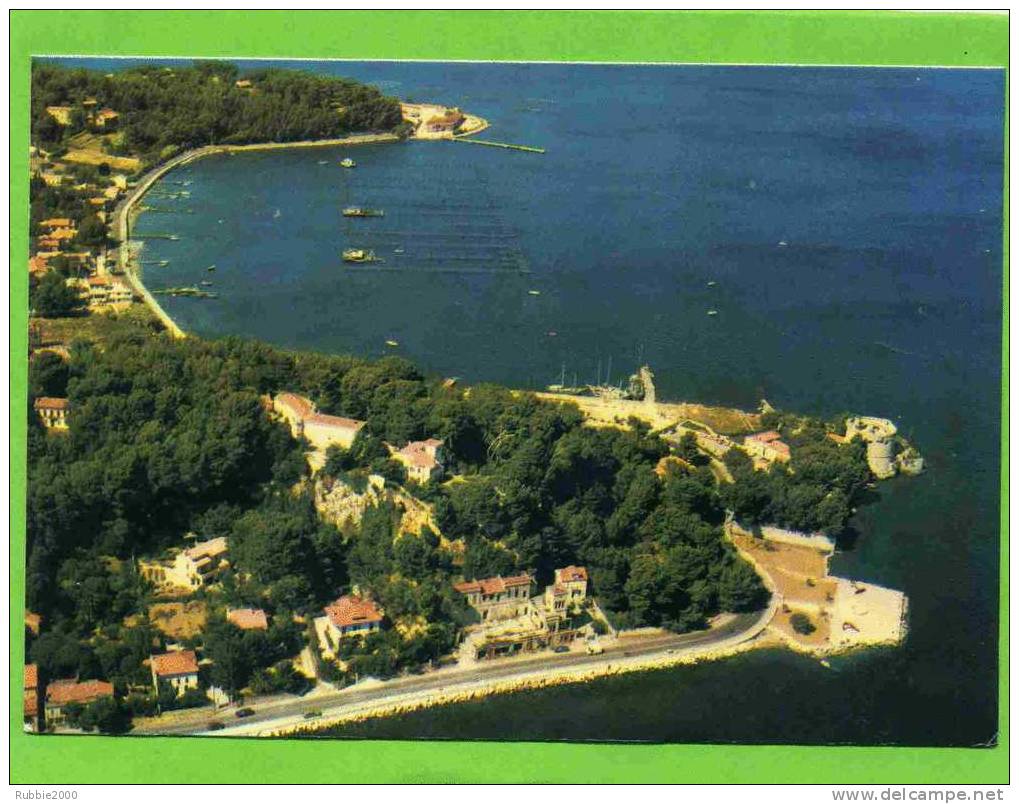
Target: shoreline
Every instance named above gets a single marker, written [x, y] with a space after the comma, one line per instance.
[757, 637]
[123, 220]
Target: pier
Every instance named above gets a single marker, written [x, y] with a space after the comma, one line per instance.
[507, 145]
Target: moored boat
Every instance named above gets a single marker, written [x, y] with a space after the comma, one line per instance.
[358, 255]
[362, 212]
[347, 162]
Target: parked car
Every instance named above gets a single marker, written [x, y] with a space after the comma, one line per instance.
[245, 712]
[561, 649]
[215, 725]
[311, 714]
[594, 648]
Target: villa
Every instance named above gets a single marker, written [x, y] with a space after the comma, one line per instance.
[178, 669]
[30, 697]
[498, 598]
[423, 460]
[766, 448]
[352, 615]
[71, 691]
[191, 568]
[321, 430]
[52, 411]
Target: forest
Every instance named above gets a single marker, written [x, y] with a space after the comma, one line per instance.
[170, 436]
[164, 109]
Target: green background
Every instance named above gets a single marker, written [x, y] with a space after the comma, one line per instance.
[735, 37]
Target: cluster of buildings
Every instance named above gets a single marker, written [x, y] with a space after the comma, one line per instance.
[766, 448]
[513, 619]
[95, 116]
[424, 461]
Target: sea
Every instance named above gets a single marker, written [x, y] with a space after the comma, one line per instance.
[843, 224]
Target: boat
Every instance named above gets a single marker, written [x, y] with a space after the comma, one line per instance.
[782, 243]
[398, 251]
[712, 283]
[323, 161]
[392, 343]
[358, 255]
[276, 214]
[211, 268]
[206, 283]
[347, 162]
[712, 312]
[534, 293]
[362, 212]
[826, 663]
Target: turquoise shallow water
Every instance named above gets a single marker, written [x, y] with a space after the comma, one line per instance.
[852, 222]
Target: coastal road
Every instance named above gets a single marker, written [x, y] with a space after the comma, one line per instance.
[276, 714]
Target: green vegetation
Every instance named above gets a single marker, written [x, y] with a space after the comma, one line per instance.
[801, 623]
[163, 110]
[816, 490]
[51, 297]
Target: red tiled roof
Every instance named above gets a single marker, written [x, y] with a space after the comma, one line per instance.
[68, 691]
[31, 703]
[571, 573]
[54, 223]
[100, 281]
[353, 610]
[339, 422]
[248, 619]
[421, 453]
[31, 676]
[175, 663]
[50, 403]
[299, 405]
[492, 586]
[33, 622]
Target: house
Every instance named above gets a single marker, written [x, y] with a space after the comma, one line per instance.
[352, 615]
[248, 619]
[106, 118]
[715, 445]
[104, 290]
[112, 192]
[178, 669]
[498, 598]
[423, 460]
[766, 448]
[60, 694]
[56, 223]
[38, 265]
[30, 697]
[320, 429]
[52, 411]
[191, 568]
[565, 595]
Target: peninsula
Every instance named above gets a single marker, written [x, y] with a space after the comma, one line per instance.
[222, 532]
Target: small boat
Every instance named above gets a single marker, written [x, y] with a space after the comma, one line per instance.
[323, 161]
[348, 163]
[276, 214]
[534, 293]
[712, 312]
[211, 268]
[398, 251]
[392, 343]
[362, 212]
[358, 255]
[783, 243]
[552, 333]
[825, 663]
[712, 283]
[206, 283]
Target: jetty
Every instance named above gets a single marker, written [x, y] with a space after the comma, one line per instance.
[507, 145]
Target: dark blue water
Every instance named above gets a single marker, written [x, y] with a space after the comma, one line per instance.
[852, 219]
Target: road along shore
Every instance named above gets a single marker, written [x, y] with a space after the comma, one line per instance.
[124, 214]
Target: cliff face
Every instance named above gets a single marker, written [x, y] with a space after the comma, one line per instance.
[341, 504]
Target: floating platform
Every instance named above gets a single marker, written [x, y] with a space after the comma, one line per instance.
[507, 145]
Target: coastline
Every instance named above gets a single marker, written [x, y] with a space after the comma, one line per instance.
[757, 637]
[123, 220]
